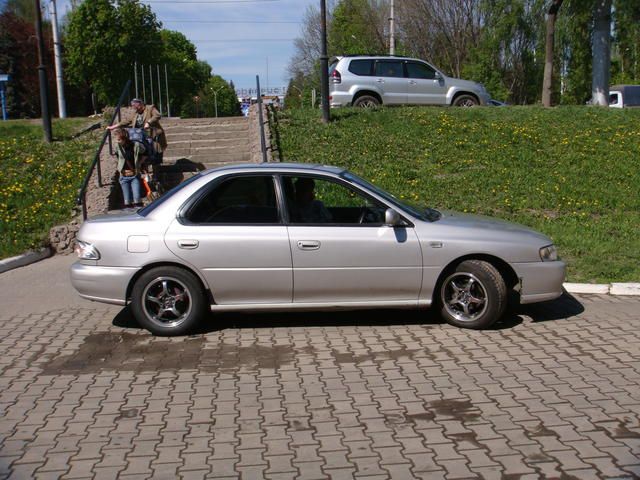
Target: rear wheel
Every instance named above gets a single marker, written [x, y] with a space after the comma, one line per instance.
[366, 101]
[474, 295]
[168, 301]
[465, 101]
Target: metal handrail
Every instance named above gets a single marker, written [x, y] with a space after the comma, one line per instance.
[263, 143]
[82, 195]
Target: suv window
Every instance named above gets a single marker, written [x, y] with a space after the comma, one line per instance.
[239, 200]
[361, 67]
[420, 70]
[389, 68]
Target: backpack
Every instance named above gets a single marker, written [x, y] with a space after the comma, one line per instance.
[140, 136]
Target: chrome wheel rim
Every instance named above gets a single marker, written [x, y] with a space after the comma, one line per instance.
[467, 102]
[464, 297]
[368, 104]
[166, 301]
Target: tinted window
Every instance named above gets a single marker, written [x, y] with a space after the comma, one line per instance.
[238, 200]
[389, 68]
[321, 201]
[420, 70]
[361, 67]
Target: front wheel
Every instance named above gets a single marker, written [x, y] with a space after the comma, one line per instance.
[465, 101]
[168, 301]
[474, 295]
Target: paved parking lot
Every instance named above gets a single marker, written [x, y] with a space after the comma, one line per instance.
[553, 392]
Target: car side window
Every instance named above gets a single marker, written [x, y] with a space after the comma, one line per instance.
[317, 200]
[420, 70]
[361, 67]
[389, 68]
[238, 200]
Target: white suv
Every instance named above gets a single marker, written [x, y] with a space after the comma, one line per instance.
[369, 81]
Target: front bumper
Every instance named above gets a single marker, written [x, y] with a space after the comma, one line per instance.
[102, 284]
[540, 281]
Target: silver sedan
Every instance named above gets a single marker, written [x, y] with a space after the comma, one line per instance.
[295, 236]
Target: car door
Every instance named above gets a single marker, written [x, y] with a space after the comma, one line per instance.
[389, 77]
[424, 86]
[233, 234]
[342, 251]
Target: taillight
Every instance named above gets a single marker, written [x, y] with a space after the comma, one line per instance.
[336, 77]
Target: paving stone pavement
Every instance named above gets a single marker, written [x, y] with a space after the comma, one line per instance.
[552, 392]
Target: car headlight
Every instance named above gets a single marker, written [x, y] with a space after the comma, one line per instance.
[86, 251]
[549, 253]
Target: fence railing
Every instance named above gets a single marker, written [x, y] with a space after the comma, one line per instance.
[95, 165]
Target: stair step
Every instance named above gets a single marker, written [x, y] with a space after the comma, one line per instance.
[242, 157]
[211, 142]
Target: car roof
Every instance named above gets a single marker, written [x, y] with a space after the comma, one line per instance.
[277, 167]
[374, 57]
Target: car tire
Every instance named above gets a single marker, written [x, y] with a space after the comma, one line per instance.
[465, 101]
[168, 301]
[473, 295]
[366, 101]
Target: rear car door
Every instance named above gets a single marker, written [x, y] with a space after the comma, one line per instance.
[342, 251]
[233, 234]
[388, 75]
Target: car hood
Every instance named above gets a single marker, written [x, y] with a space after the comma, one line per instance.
[464, 84]
[116, 216]
[491, 227]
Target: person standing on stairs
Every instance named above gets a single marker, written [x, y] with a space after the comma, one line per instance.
[129, 156]
[146, 117]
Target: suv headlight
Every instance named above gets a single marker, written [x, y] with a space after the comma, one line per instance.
[549, 253]
[86, 251]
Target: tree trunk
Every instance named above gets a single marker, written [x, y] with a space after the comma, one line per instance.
[547, 82]
[601, 53]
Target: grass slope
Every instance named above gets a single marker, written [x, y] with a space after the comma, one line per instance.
[39, 181]
[572, 173]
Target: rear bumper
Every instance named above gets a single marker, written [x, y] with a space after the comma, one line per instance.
[102, 284]
[340, 99]
[540, 281]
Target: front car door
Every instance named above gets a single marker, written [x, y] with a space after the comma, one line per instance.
[342, 252]
[234, 235]
[424, 88]
[389, 77]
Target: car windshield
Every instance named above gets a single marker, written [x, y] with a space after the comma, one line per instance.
[425, 213]
[156, 203]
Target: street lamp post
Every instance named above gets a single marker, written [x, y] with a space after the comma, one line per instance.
[215, 98]
[42, 75]
[324, 63]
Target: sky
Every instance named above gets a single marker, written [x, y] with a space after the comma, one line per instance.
[238, 38]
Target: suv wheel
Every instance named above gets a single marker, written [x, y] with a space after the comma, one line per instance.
[366, 101]
[465, 101]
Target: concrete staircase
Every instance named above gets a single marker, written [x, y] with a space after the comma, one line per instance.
[207, 142]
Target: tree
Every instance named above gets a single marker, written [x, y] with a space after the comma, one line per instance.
[217, 95]
[353, 29]
[601, 53]
[626, 51]
[548, 53]
[104, 39]
[186, 74]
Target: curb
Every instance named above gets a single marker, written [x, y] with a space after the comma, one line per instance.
[631, 289]
[24, 259]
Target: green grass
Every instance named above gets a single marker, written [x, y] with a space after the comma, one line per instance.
[39, 181]
[572, 173]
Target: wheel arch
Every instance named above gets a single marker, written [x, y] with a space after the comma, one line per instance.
[506, 271]
[146, 268]
[459, 93]
[371, 93]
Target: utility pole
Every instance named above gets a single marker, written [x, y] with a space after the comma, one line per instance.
[166, 84]
[159, 88]
[151, 82]
[392, 30]
[42, 76]
[135, 76]
[144, 90]
[62, 105]
[324, 63]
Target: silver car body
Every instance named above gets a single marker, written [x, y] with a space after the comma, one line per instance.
[441, 90]
[287, 266]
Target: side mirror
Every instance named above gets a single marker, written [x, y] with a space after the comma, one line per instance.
[438, 75]
[392, 218]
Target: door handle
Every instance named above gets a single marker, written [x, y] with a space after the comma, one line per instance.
[188, 244]
[308, 245]
[412, 82]
[380, 80]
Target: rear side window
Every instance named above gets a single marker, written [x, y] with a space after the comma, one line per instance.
[240, 200]
[361, 67]
[389, 68]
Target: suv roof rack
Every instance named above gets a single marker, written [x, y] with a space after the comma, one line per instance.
[372, 55]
